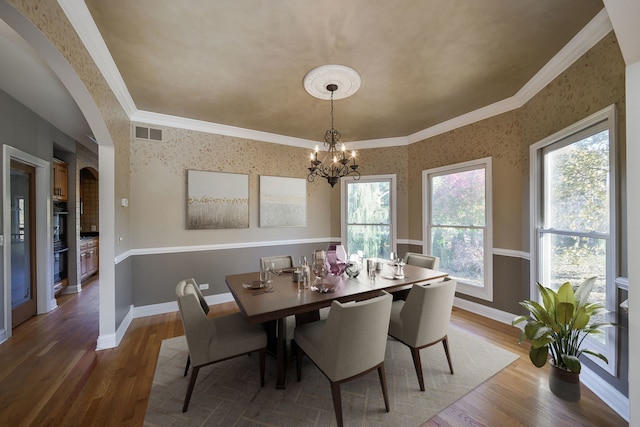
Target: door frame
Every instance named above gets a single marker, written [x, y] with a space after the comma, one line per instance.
[45, 300]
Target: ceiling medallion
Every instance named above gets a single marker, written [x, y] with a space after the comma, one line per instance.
[332, 82]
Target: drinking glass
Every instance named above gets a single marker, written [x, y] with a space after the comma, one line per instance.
[265, 276]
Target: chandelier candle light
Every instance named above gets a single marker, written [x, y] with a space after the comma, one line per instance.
[337, 163]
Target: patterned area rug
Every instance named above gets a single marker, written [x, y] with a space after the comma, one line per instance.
[229, 394]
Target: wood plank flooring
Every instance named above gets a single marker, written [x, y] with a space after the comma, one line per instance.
[51, 375]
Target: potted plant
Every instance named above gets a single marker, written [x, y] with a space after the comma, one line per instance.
[558, 327]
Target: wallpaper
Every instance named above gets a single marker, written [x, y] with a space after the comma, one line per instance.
[158, 189]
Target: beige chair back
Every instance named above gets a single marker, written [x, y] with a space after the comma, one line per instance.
[421, 260]
[427, 312]
[192, 287]
[278, 262]
[198, 330]
[355, 336]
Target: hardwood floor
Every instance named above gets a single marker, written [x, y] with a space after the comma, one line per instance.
[51, 375]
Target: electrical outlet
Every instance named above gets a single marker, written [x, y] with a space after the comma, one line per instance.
[203, 286]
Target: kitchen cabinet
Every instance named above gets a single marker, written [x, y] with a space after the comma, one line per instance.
[89, 258]
[60, 180]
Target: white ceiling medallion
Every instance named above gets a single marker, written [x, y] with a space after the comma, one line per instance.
[347, 79]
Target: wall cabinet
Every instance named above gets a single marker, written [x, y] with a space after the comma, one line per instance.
[60, 181]
[89, 261]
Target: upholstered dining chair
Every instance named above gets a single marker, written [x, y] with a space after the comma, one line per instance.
[205, 308]
[277, 262]
[421, 260]
[212, 340]
[349, 343]
[423, 320]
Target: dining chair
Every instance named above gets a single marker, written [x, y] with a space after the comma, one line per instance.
[276, 262]
[422, 260]
[349, 343]
[423, 320]
[205, 308]
[212, 340]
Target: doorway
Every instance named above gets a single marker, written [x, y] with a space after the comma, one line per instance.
[23, 254]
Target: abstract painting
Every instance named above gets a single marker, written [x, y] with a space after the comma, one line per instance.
[217, 200]
[283, 202]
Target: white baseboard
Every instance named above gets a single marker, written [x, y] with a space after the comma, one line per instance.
[169, 307]
[609, 395]
[73, 289]
[3, 335]
[113, 340]
[106, 341]
[483, 310]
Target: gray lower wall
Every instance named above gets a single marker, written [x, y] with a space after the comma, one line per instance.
[123, 290]
[154, 277]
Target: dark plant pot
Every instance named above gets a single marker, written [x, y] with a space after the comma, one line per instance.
[564, 384]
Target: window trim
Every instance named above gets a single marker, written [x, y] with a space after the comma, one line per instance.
[392, 200]
[485, 292]
[567, 136]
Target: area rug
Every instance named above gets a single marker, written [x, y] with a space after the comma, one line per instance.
[229, 393]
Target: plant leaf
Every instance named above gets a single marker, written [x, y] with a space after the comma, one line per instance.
[598, 355]
[539, 356]
[518, 320]
[572, 363]
[564, 312]
[548, 297]
[565, 294]
[581, 318]
[584, 290]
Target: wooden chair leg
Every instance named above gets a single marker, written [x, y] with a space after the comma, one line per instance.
[445, 343]
[192, 383]
[337, 401]
[263, 355]
[383, 383]
[186, 368]
[415, 354]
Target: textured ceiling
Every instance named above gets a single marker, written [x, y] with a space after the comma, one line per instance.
[241, 62]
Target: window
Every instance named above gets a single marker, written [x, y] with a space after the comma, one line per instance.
[574, 216]
[368, 215]
[458, 223]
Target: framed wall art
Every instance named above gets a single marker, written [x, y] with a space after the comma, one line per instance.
[283, 202]
[217, 200]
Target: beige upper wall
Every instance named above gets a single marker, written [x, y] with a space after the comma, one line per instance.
[593, 82]
[158, 187]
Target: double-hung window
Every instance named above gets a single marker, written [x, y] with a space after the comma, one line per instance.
[457, 223]
[368, 215]
[573, 213]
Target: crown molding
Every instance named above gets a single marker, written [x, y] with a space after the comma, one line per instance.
[158, 119]
[82, 21]
[591, 34]
[79, 16]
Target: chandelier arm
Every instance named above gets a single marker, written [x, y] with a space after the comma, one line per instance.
[335, 164]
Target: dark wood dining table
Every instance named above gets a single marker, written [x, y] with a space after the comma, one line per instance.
[285, 299]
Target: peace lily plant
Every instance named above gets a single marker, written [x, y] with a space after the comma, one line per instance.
[560, 325]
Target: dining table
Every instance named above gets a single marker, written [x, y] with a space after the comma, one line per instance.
[272, 304]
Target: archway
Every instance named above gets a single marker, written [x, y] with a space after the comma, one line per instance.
[76, 87]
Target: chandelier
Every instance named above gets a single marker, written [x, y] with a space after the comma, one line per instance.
[337, 162]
